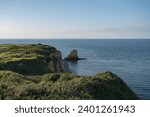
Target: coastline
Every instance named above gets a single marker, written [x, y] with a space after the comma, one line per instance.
[55, 83]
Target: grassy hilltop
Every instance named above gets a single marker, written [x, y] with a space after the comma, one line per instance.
[38, 72]
[10, 52]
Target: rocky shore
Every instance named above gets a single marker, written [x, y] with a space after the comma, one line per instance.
[35, 71]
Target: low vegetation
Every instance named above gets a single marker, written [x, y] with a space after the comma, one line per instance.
[9, 52]
[63, 86]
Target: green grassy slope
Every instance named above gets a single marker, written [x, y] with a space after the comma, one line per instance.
[9, 52]
[63, 86]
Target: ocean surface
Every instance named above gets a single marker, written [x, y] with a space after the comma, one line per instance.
[127, 58]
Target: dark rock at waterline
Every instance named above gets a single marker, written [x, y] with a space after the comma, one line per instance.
[73, 56]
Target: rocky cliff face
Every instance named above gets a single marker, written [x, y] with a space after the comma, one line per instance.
[32, 59]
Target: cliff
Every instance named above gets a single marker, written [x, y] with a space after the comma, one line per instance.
[32, 59]
[38, 72]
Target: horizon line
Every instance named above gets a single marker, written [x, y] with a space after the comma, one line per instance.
[66, 38]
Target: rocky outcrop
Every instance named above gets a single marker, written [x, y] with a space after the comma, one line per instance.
[32, 59]
[54, 61]
[73, 56]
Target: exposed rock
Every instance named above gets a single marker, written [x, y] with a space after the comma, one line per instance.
[73, 56]
[64, 66]
[28, 67]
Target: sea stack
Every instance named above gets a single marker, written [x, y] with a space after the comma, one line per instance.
[73, 56]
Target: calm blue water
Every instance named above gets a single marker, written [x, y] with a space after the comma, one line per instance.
[129, 59]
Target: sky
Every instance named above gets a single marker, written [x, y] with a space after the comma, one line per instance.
[56, 19]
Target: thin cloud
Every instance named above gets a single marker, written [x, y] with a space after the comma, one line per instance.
[134, 29]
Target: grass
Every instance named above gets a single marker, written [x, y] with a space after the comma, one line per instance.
[9, 52]
[63, 86]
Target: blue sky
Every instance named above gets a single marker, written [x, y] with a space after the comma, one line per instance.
[74, 19]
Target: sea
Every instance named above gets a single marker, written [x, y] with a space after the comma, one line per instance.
[127, 58]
